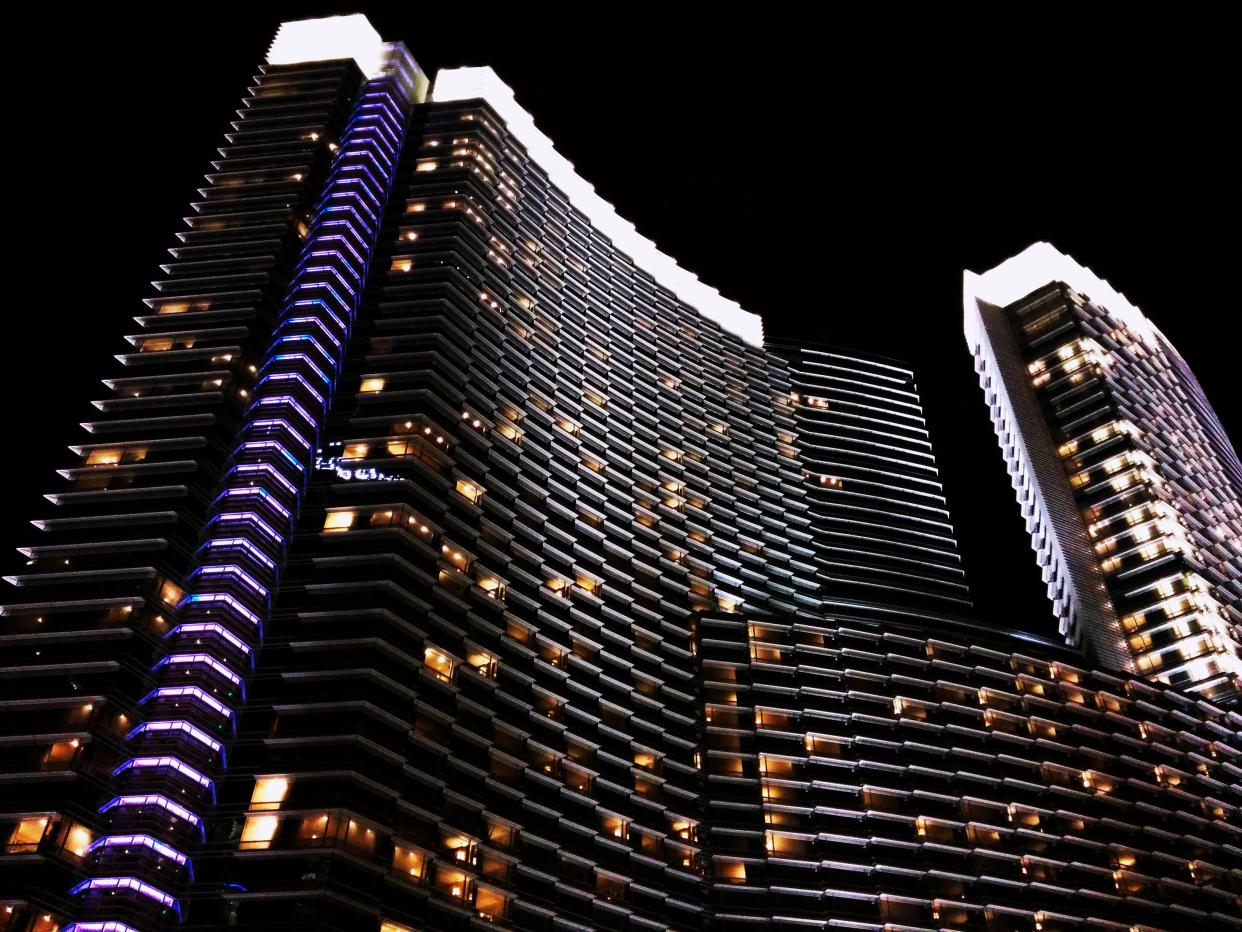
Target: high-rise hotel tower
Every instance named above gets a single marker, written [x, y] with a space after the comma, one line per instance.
[1130, 488]
[443, 556]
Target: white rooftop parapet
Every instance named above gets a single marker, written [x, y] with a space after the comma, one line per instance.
[1041, 264]
[329, 39]
[471, 83]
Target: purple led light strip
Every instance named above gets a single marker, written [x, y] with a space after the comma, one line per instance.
[266, 471]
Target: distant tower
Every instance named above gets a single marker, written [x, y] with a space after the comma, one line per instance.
[1130, 488]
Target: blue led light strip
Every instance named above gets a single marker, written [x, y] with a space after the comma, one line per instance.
[179, 752]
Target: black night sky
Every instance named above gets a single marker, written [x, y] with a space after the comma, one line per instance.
[834, 177]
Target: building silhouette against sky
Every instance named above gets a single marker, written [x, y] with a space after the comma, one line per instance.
[443, 555]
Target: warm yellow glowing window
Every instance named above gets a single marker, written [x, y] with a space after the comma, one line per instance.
[426, 165]
[483, 663]
[401, 264]
[371, 385]
[731, 870]
[78, 839]
[615, 826]
[494, 588]
[355, 451]
[490, 903]
[103, 458]
[62, 752]
[470, 490]
[336, 521]
[409, 861]
[509, 432]
[171, 593]
[386, 926]
[269, 792]
[440, 663]
[452, 882]
[259, 831]
[27, 835]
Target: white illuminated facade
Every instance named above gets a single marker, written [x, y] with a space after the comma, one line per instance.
[1129, 487]
[329, 39]
[483, 84]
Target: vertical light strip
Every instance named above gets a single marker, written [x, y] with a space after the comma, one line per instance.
[252, 520]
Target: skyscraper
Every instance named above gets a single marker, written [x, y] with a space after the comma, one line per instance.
[1130, 488]
[447, 556]
[883, 536]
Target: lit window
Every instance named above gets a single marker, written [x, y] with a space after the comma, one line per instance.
[509, 432]
[490, 904]
[371, 385]
[355, 451]
[103, 458]
[417, 207]
[61, 753]
[78, 839]
[731, 870]
[493, 587]
[314, 826]
[471, 491]
[426, 165]
[258, 832]
[450, 881]
[483, 663]
[386, 926]
[269, 792]
[615, 825]
[339, 520]
[170, 593]
[409, 861]
[440, 663]
[402, 264]
[27, 835]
